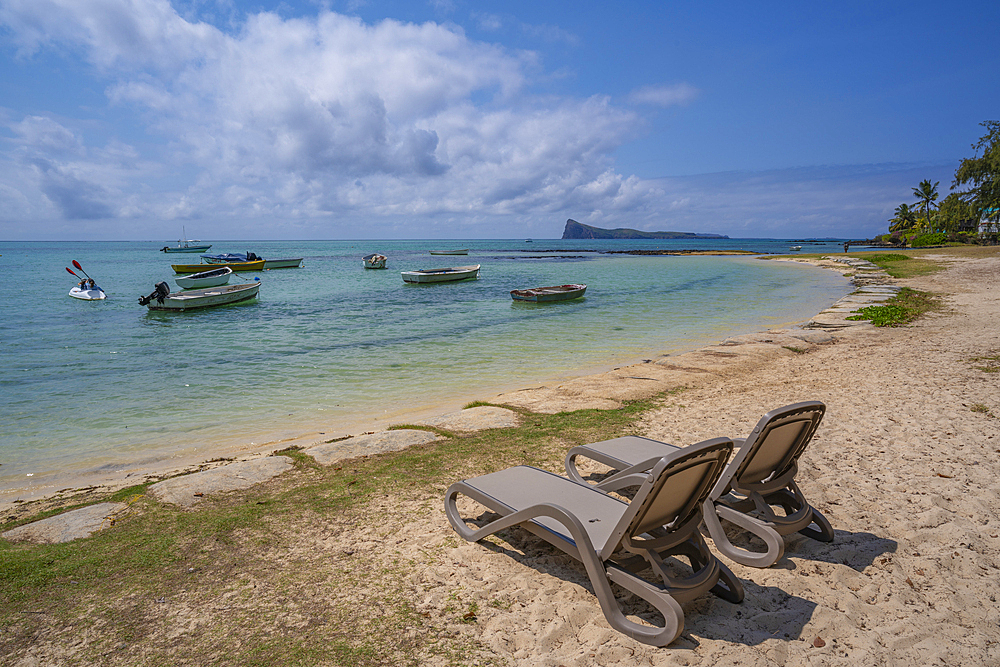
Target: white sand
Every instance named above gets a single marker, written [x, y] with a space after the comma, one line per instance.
[903, 466]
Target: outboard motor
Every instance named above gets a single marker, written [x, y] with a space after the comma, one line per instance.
[160, 292]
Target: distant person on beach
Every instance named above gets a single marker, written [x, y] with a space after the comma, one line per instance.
[846, 246]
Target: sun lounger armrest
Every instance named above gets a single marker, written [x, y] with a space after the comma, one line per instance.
[580, 537]
[600, 575]
[723, 486]
[631, 476]
[713, 512]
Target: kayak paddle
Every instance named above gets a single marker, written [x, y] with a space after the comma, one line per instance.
[77, 265]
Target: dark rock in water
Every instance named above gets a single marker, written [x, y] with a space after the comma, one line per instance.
[575, 230]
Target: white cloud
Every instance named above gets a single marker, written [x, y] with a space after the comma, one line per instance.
[313, 116]
[326, 123]
[664, 96]
[489, 22]
[125, 35]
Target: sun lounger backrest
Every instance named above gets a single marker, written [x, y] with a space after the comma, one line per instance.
[776, 443]
[674, 490]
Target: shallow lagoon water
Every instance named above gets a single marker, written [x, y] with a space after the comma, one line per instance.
[96, 384]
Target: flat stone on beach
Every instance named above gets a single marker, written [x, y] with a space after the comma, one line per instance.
[476, 419]
[815, 337]
[370, 443]
[68, 526]
[187, 490]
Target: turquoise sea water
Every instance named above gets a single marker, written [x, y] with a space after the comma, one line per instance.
[92, 385]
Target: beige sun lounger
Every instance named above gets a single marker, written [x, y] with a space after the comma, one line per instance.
[618, 542]
[760, 478]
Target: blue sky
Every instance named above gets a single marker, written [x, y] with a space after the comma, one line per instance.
[130, 119]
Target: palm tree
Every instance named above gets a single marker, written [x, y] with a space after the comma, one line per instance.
[905, 219]
[926, 195]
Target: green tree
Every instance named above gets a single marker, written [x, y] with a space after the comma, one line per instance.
[954, 214]
[904, 220]
[983, 173]
[926, 195]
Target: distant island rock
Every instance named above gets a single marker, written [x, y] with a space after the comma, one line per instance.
[575, 230]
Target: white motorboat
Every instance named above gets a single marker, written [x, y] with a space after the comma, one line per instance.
[211, 278]
[374, 261]
[163, 299]
[187, 245]
[95, 294]
[441, 275]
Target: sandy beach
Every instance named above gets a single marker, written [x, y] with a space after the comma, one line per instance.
[904, 466]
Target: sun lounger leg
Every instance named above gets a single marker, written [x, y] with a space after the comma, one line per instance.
[825, 531]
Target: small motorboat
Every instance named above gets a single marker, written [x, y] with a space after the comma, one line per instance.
[94, 294]
[441, 275]
[211, 278]
[235, 266]
[163, 299]
[232, 257]
[374, 261]
[229, 257]
[795, 247]
[461, 251]
[187, 245]
[547, 294]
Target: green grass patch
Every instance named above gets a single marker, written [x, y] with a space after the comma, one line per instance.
[884, 258]
[421, 427]
[989, 363]
[261, 568]
[899, 265]
[905, 307]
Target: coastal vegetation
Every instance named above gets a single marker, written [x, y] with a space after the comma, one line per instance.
[905, 307]
[969, 215]
[898, 265]
[164, 568]
[989, 363]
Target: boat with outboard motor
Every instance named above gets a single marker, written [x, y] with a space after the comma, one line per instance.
[232, 257]
[163, 299]
[187, 245]
[374, 261]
